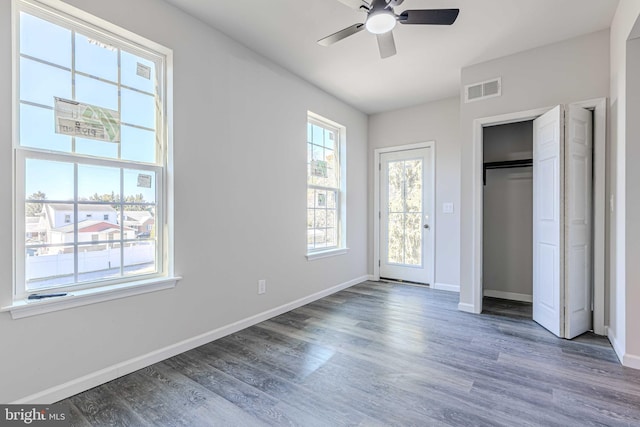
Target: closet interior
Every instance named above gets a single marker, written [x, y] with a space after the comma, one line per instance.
[507, 269]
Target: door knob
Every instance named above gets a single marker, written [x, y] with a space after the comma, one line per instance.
[426, 226]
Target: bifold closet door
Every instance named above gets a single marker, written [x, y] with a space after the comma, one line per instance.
[562, 186]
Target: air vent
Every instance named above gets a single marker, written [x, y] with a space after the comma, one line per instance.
[483, 90]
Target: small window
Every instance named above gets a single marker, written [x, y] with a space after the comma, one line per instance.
[67, 219]
[325, 188]
[106, 217]
[89, 215]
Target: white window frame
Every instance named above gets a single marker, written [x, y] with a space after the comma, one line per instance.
[78, 294]
[341, 200]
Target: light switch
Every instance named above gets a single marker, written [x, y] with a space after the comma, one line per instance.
[447, 207]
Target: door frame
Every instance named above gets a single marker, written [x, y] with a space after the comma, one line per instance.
[430, 261]
[599, 107]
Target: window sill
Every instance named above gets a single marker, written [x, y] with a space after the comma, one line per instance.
[325, 254]
[27, 308]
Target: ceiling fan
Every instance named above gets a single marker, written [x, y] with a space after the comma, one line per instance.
[381, 19]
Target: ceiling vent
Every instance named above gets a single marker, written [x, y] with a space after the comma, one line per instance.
[483, 90]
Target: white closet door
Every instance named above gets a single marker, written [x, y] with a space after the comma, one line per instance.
[548, 221]
[578, 219]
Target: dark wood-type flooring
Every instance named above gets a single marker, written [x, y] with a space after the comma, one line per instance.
[379, 354]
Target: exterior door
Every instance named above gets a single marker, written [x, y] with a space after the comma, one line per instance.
[406, 215]
[562, 221]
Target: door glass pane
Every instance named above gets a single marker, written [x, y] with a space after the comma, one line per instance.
[396, 186]
[395, 241]
[413, 185]
[405, 212]
[413, 239]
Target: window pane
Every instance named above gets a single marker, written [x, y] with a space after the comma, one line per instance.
[37, 130]
[138, 109]
[139, 186]
[329, 139]
[53, 179]
[134, 75]
[96, 58]
[138, 144]
[44, 40]
[331, 218]
[311, 198]
[48, 267]
[320, 218]
[331, 199]
[318, 135]
[140, 257]
[139, 222]
[92, 147]
[98, 183]
[39, 82]
[332, 237]
[35, 225]
[97, 261]
[94, 92]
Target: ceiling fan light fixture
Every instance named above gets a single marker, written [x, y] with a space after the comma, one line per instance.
[380, 22]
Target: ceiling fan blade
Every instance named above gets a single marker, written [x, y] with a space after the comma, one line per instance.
[353, 4]
[386, 44]
[342, 34]
[429, 16]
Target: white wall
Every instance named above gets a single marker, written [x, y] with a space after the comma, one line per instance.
[436, 121]
[240, 153]
[564, 72]
[624, 316]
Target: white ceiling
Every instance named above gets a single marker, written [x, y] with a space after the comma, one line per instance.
[427, 66]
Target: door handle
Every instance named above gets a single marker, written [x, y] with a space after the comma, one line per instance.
[426, 226]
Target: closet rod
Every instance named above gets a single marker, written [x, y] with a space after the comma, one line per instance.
[504, 165]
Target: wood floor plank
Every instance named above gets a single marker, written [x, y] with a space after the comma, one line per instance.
[379, 354]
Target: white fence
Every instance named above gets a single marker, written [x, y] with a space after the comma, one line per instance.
[88, 261]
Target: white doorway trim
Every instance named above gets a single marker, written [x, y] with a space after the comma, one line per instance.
[599, 142]
[430, 262]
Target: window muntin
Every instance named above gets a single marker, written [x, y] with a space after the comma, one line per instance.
[324, 186]
[73, 193]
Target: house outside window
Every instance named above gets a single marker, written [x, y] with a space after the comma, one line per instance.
[91, 142]
[325, 185]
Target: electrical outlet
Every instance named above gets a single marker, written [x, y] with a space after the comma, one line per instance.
[262, 286]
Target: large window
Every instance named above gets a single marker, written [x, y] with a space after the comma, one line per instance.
[91, 153]
[325, 189]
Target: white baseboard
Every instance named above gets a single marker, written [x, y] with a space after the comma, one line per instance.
[508, 295]
[110, 373]
[446, 287]
[468, 308]
[631, 361]
[373, 278]
[615, 344]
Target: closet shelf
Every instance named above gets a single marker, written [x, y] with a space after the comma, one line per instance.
[504, 165]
